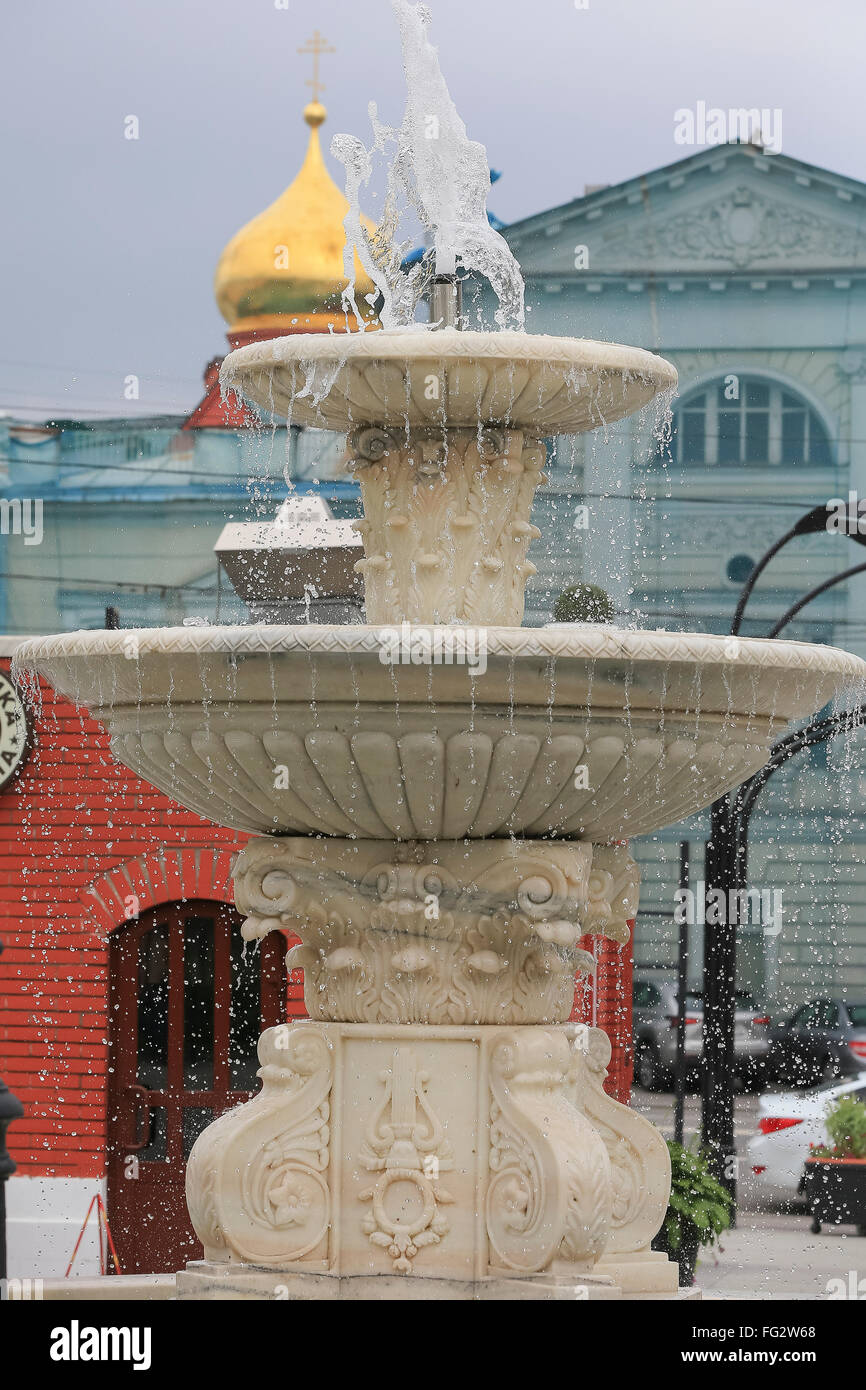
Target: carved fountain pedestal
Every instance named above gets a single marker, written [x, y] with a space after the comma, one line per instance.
[436, 1118]
[441, 814]
[429, 1162]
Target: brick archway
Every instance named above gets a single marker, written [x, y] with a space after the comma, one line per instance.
[163, 875]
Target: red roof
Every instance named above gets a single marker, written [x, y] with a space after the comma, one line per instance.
[212, 412]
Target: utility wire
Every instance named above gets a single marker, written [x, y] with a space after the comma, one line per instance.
[130, 586]
[73, 581]
[184, 409]
[135, 466]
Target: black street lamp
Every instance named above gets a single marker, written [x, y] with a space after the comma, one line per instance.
[821, 731]
[726, 869]
[814, 593]
[10, 1109]
[812, 523]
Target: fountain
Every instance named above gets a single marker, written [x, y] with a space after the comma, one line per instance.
[459, 798]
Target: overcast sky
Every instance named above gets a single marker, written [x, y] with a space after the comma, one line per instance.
[108, 245]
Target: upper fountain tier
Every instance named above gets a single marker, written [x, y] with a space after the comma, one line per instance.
[417, 379]
[445, 439]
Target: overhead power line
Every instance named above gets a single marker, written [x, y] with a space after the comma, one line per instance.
[196, 473]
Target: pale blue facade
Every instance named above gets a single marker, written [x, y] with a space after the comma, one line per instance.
[131, 510]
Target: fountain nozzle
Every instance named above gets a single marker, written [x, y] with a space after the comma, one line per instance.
[446, 301]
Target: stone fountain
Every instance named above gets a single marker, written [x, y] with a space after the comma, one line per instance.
[459, 796]
[456, 798]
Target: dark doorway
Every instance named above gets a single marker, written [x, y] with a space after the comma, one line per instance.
[187, 1002]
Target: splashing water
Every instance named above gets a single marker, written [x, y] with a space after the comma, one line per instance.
[442, 176]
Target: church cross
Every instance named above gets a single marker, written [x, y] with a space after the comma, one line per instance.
[314, 48]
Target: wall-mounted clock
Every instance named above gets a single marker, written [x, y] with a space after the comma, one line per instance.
[14, 731]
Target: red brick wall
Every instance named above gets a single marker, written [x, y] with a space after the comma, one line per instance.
[67, 822]
[604, 1000]
[70, 817]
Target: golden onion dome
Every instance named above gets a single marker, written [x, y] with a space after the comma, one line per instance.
[284, 270]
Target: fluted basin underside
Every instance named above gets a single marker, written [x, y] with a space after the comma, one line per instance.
[588, 732]
[419, 378]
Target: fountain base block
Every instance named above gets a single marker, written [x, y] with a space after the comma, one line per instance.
[482, 1158]
[203, 1280]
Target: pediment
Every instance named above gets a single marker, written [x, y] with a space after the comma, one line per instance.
[733, 218]
[743, 229]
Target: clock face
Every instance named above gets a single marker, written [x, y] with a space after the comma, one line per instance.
[14, 731]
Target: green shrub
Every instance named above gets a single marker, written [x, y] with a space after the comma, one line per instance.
[584, 603]
[698, 1203]
[846, 1126]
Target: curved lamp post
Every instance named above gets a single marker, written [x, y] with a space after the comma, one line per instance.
[725, 868]
[814, 593]
[810, 524]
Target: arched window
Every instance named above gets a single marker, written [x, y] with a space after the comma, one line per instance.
[742, 420]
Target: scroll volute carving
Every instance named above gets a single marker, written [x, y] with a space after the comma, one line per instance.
[257, 1184]
[639, 1158]
[428, 932]
[549, 1196]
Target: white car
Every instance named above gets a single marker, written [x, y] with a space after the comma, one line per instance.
[788, 1123]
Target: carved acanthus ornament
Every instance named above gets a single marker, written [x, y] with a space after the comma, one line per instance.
[484, 932]
[639, 1159]
[446, 524]
[550, 1189]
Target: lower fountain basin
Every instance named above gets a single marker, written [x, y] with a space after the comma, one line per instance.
[588, 732]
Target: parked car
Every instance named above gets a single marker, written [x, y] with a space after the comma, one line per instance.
[823, 1041]
[655, 1014]
[789, 1122]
